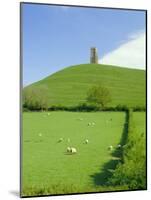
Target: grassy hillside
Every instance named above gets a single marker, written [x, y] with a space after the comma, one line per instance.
[69, 86]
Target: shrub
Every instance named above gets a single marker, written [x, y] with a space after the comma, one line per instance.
[35, 98]
[99, 96]
[121, 108]
[139, 108]
[132, 172]
[80, 107]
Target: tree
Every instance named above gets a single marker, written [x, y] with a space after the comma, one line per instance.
[35, 98]
[99, 95]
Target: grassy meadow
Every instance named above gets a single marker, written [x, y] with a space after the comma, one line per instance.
[49, 169]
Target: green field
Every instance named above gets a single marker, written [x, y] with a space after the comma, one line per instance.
[140, 121]
[69, 86]
[45, 163]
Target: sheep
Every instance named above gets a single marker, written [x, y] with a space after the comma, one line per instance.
[86, 141]
[110, 148]
[68, 149]
[60, 140]
[119, 146]
[73, 150]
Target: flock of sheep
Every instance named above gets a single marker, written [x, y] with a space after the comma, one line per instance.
[73, 150]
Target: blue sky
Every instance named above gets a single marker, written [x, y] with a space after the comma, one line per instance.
[55, 37]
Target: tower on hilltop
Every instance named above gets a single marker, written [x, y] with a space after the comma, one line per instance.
[93, 55]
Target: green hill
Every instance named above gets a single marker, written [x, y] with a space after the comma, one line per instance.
[69, 86]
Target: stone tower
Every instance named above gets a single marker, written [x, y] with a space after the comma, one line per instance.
[94, 55]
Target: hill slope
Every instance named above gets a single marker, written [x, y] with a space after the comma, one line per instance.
[69, 86]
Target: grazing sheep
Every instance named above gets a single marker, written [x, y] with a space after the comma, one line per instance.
[86, 141]
[73, 150]
[119, 146]
[110, 148]
[40, 134]
[60, 140]
[68, 149]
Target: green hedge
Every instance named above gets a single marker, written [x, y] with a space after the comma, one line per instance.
[83, 107]
[132, 172]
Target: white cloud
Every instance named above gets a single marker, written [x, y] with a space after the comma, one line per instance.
[131, 54]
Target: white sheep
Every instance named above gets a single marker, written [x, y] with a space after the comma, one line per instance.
[73, 150]
[119, 146]
[68, 149]
[86, 141]
[110, 148]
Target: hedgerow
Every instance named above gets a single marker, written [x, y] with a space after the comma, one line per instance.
[28, 106]
[132, 171]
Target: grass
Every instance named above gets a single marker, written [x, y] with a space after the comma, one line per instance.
[139, 119]
[69, 86]
[48, 169]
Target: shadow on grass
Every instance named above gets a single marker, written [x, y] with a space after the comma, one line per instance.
[101, 179]
[69, 153]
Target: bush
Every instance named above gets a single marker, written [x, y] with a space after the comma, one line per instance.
[88, 107]
[121, 108]
[132, 172]
[99, 96]
[139, 108]
[35, 98]
[80, 107]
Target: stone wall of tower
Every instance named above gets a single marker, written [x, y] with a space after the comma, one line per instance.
[94, 55]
